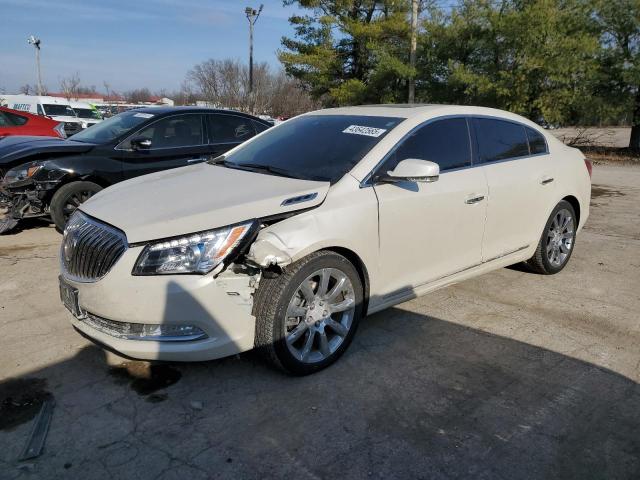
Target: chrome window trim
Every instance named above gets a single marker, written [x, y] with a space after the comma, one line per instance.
[475, 151]
[202, 126]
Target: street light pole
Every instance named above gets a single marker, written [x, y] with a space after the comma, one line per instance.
[32, 40]
[252, 15]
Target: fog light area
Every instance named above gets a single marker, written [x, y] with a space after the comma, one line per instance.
[144, 331]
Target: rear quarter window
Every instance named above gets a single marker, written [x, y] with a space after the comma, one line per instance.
[537, 142]
[500, 139]
[260, 127]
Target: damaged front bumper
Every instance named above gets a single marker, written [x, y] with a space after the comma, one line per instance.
[165, 317]
[26, 199]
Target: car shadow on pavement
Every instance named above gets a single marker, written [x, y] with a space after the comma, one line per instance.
[413, 397]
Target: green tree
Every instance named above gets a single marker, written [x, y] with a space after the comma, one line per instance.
[350, 51]
[533, 57]
[619, 80]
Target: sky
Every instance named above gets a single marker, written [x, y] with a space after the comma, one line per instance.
[131, 43]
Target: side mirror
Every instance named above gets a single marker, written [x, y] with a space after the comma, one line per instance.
[140, 143]
[412, 170]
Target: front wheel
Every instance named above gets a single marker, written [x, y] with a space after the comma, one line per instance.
[68, 198]
[307, 316]
[558, 239]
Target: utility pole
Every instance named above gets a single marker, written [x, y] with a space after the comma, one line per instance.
[32, 40]
[252, 15]
[412, 51]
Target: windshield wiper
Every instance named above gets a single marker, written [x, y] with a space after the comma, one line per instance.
[219, 160]
[255, 167]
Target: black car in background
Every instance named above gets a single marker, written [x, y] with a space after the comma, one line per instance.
[46, 176]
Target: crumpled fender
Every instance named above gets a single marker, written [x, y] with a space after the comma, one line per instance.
[268, 250]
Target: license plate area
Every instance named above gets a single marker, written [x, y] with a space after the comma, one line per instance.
[69, 298]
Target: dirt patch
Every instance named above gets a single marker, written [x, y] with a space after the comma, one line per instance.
[610, 155]
[13, 249]
[598, 191]
[145, 378]
[20, 400]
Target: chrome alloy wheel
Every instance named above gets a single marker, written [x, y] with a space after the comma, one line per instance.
[319, 315]
[560, 237]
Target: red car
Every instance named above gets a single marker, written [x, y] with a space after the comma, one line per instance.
[14, 122]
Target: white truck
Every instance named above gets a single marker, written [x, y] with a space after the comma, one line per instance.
[58, 109]
[87, 113]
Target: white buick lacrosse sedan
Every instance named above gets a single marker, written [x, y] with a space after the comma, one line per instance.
[286, 242]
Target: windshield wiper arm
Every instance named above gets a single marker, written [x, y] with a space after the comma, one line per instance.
[261, 168]
[219, 160]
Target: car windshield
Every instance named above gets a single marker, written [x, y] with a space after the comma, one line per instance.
[313, 147]
[112, 128]
[87, 113]
[55, 110]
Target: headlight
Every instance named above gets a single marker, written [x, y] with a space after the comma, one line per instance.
[197, 253]
[22, 172]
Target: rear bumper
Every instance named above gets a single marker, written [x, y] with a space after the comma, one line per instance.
[205, 302]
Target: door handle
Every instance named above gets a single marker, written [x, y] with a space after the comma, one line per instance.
[546, 180]
[472, 200]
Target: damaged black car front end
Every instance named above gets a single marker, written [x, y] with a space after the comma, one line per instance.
[25, 192]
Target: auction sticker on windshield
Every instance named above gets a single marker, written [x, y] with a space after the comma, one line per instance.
[144, 115]
[368, 131]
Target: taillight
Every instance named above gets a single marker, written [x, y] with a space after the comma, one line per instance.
[59, 129]
[589, 166]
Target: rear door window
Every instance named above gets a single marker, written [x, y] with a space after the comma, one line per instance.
[537, 142]
[229, 128]
[445, 142]
[500, 139]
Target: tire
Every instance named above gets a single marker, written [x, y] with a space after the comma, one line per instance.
[556, 242]
[282, 340]
[68, 198]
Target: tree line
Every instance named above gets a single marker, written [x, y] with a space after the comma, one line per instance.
[566, 62]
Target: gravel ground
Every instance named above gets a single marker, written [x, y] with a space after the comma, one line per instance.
[616, 137]
[509, 375]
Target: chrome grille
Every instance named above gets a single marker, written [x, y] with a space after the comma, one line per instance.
[90, 248]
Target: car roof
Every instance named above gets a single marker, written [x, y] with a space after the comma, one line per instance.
[188, 109]
[407, 111]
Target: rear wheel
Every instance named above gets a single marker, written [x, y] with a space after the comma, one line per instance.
[558, 239]
[68, 198]
[307, 317]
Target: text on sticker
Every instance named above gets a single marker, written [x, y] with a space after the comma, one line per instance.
[368, 131]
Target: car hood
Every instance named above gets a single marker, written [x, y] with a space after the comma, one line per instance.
[17, 147]
[196, 198]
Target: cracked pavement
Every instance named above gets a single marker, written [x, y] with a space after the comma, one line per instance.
[509, 375]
